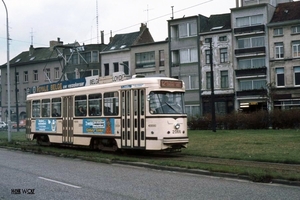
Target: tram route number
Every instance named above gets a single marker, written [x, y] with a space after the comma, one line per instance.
[176, 131]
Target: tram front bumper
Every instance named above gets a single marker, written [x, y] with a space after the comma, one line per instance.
[175, 140]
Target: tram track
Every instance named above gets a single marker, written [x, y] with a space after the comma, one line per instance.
[223, 161]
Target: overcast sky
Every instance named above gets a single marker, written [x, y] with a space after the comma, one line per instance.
[39, 21]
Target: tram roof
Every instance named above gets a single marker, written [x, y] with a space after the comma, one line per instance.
[136, 82]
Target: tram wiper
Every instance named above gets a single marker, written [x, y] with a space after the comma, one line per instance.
[170, 106]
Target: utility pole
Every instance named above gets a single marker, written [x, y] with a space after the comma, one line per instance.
[8, 75]
[213, 113]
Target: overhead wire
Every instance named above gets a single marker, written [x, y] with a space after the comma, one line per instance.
[138, 24]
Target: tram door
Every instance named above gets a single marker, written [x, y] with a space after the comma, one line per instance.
[133, 119]
[67, 122]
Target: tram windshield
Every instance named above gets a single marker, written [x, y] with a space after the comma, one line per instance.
[166, 102]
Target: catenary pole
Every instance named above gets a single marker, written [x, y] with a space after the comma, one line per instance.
[8, 81]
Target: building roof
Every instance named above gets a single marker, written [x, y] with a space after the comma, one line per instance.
[218, 23]
[34, 55]
[125, 41]
[286, 12]
[122, 41]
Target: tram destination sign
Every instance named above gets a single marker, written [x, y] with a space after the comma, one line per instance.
[170, 84]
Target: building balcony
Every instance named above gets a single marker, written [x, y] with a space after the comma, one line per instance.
[254, 92]
[249, 29]
[254, 50]
[251, 72]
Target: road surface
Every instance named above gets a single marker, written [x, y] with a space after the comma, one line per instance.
[33, 176]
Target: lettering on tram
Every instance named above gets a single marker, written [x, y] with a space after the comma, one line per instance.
[139, 113]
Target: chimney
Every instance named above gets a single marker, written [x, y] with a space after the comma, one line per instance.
[102, 37]
[237, 3]
[143, 27]
[31, 49]
[110, 38]
[53, 43]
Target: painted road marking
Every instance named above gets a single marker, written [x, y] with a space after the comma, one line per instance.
[51, 180]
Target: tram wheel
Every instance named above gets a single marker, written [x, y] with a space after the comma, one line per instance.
[42, 140]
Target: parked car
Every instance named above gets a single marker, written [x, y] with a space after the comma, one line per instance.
[22, 124]
[3, 126]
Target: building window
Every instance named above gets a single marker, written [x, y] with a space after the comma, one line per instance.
[192, 110]
[35, 75]
[175, 58]
[161, 58]
[297, 75]
[253, 84]
[47, 74]
[279, 51]
[125, 67]
[223, 55]
[72, 59]
[95, 72]
[191, 81]
[223, 38]
[174, 32]
[25, 76]
[187, 29]
[71, 76]
[280, 76]
[251, 63]
[208, 77]
[95, 57]
[224, 79]
[296, 29]
[296, 49]
[116, 67]
[106, 69]
[249, 20]
[56, 73]
[85, 58]
[278, 31]
[145, 60]
[188, 55]
[251, 42]
[207, 56]
[85, 73]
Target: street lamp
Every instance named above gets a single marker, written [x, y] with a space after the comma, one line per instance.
[8, 75]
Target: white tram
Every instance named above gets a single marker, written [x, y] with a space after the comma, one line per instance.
[140, 113]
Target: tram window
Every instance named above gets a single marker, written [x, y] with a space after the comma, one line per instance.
[46, 108]
[142, 103]
[56, 107]
[80, 105]
[135, 101]
[36, 108]
[166, 103]
[95, 104]
[111, 103]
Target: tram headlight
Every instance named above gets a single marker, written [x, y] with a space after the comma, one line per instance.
[177, 126]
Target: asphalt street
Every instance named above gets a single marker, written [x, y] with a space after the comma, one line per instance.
[33, 176]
